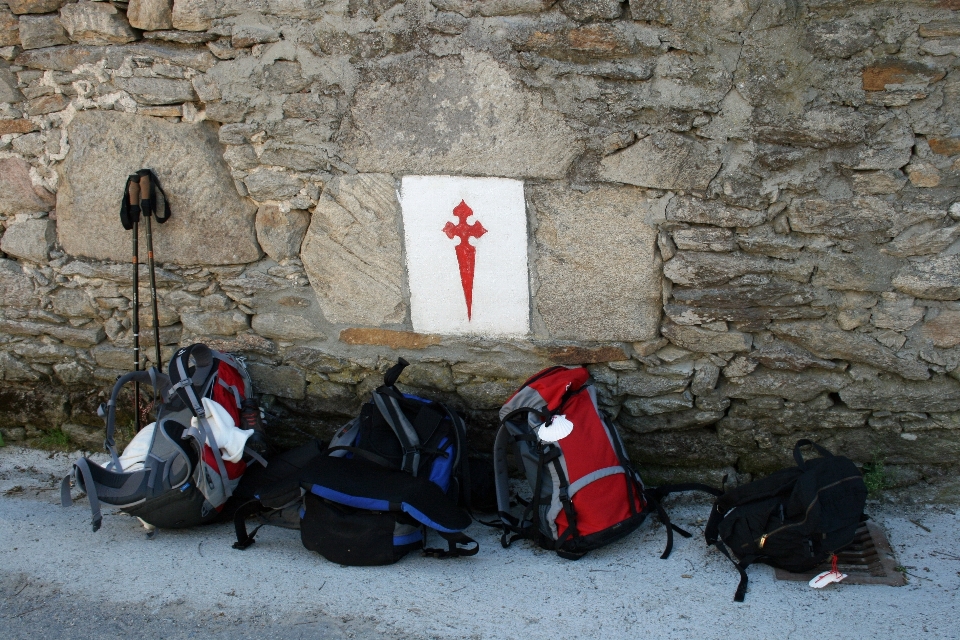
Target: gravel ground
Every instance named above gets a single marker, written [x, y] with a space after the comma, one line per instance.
[58, 579]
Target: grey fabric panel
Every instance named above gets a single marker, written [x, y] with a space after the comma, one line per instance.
[345, 437]
[390, 410]
[593, 477]
[550, 512]
[501, 470]
[525, 397]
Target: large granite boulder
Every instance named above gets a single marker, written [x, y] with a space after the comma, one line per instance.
[456, 116]
[210, 224]
[583, 289]
[352, 251]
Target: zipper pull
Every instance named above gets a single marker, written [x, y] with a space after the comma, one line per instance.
[781, 513]
[763, 540]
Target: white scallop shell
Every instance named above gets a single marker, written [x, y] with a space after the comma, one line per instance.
[558, 429]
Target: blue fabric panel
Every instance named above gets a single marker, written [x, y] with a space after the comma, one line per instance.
[350, 501]
[410, 538]
[420, 517]
[442, 467]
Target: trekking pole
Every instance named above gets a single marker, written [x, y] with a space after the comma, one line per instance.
[147, 206]
[133, 189]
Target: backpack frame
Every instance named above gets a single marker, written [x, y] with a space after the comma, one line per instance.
[184, 480]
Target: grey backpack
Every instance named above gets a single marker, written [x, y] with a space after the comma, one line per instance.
[183, 480]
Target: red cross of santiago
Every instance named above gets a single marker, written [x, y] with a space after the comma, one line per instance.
[466, 252]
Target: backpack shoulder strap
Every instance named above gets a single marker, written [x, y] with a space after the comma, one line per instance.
[402, 427]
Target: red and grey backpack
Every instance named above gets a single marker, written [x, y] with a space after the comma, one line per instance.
[584, 492]
[180, 479]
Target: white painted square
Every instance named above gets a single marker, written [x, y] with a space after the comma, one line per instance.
[501, 292]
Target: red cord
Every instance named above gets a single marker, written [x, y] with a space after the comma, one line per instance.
[834, 563]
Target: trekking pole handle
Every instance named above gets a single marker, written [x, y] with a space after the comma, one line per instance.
[145, 192]
[133, 191]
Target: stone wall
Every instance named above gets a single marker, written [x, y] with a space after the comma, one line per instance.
[742, 214]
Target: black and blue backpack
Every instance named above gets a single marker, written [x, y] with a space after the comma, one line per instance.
[388, 477]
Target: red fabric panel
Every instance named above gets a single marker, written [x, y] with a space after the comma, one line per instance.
[234, 469]
[600, 505]
[224, 397]
[553, 386]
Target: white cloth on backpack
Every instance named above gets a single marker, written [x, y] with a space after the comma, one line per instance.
[230, 439]
[135, 453]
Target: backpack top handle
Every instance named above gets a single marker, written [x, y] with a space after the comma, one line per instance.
[390, 377]
[798, 456]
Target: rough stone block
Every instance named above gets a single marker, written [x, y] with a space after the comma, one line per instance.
[210, 223]
[193, 15]
[281, 233]
[575, 355]
[20, 7]
[30, 239]
[16, 287]
[704, 239]
[661, 404]
[896, 312]
[247, 35]
[17, 193]
[61, 58]
[789, 385]
[935, 279]
[486, 395]
[885, 392]
[819, 128]
[839, 38]
[895, 73]
[645, 385]
[265, 184]
[96, 23]
[944, 330]
[157, 91]
[705, 341]
[598, 300]
[663, 161]
[842, 219]
[83, 337]
[351, 251]
[215, 323]
[42, 31]
[828, 341]
[945, 146]
[879, 182]
[700, 269]
[487, 123]
[150, 15]
[47, 104]
[15, 126]
[9, 29]
[286, 382]
[785, 357]
[10, 93]
[699, 211]
[282, 326]
[388, 338]
[589, 10]
[489, 8]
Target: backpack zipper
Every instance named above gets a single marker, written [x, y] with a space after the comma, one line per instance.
[763, 538]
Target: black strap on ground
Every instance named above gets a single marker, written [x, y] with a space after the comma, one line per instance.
[741, 567]
[454, 548]
[244, 511]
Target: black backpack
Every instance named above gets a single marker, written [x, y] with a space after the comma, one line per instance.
[388, 476]
[793, 519]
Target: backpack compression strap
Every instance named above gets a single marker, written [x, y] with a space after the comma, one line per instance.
[656, 495]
